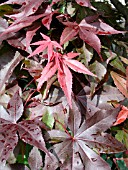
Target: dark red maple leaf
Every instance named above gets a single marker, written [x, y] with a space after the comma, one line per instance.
[35, 159]
[88, 32]
[28, 131]
[76, 149]
[23, 17]
[30, 33]
[46, 21]
[62, 63]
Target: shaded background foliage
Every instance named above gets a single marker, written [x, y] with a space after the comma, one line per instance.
[58, 125]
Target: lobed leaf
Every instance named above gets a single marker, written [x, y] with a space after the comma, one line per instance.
[31, 133]
[15, 107]
[120, 82]
[83, 138]
[35, 159]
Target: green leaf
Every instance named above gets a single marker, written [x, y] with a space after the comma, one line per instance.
[122, 165]
[22, 159]
[48, 119]
[5, 9]
[116, 63]
[122, 136]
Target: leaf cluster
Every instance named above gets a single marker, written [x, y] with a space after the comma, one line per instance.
[63, 85]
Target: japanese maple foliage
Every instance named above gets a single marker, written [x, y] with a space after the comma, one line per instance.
[58, 99]
[28, 131]
[122, 116]
[45, 44]
[61, 63]
[82, 137]
[88, 32]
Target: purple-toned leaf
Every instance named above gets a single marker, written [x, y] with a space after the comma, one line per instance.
[8, 141]
[74, 119]
[98, 27]
[19, 24]
[46, 21]
[100, 101]
[51, 162]
[86, 137]
[8, 64]
[102, 28]
[91, 160]
[15, 2]
[59, 135]
[37, 111]
[30, 33]
[68, 34]
[98, 69]
[18, 41]
[15, 107]
[35, 159]
[28, 7]
[91, 39]
[31, 133]
[4, 114]
[3, 27]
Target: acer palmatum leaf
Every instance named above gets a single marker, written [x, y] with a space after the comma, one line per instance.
[65, 80]
[15, 107]
[122, 116]
[83, 138]
[11, 60]
[28, 7]
[8, 140]
[35, 159]
[63, 63]
[47, 43]
[51, 164]
[88, 32]
[46, 21]
[91, 39]
[19, 24]
[68, 34]
[48, 71]
[30, 33]
[120, 83]
[99, 101]
[30, 133]
[98, 27]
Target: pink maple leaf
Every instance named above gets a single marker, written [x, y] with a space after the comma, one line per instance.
[62, 63]
[47, 43]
